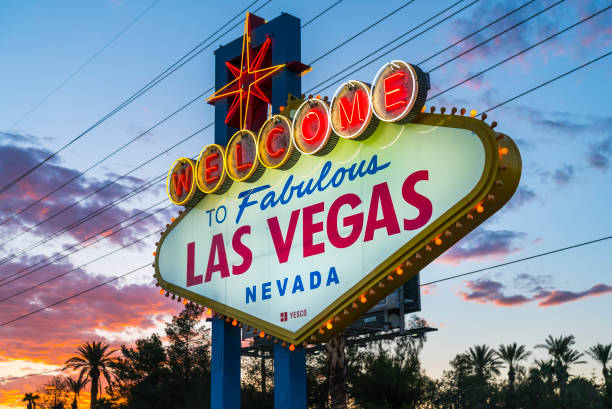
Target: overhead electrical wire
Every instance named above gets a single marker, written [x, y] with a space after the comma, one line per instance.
[343, 71]
[108, 156]
[547, 82]
[424, 284]
[75, 295]
[473, 33]
[86, 243]
[321, 13]
[583, 21]
[102, 188]
[374, 24]
[22, 291]
[43, 240]
[32, 374]
[519, 260]
[95, 164]
[512, 27]
[100, 161]
[83, 65]
[347, 74]
[189, 103]
[550, 37]
[168, 71]
[428, 283]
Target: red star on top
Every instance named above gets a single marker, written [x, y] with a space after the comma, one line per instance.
[247, 89]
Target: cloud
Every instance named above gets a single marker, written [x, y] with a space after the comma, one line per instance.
[485, 291]
[483, 244]
[551, 298]
[116, 314]
[52, 335]
[599, 154]
[563, 175]
[531, 288]
[15, 158]
[522, 196]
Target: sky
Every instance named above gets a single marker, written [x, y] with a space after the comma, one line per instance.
[562, 130]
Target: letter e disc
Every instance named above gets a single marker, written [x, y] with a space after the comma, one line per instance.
[399, 91]
[275, 147]
[351, 112]
[180, 183]
[210, 172]
[241, 163]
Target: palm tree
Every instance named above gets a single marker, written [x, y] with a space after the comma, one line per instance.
[92, 360]
[602, 354]
[563, 355]
[483, 361]
[31, 399]
[76, 386]
[512, 354]
[557, 347]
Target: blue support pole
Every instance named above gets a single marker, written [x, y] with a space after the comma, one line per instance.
[225, 366]
[289, 378]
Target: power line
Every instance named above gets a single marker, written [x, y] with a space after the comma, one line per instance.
[80, 68]
[168, 71]
[107, 157]
[321, 13]
[189, 103]
[521, 52]
[32, 374]
[78, 175]
[421, 24]
[108, 206]
[8, 280]
[108, 184]
[473, 33]
[547, 82]
[496, 35]
[87, 263]
[428, 283]
[75, 295]
[361, 32]
[519, 260]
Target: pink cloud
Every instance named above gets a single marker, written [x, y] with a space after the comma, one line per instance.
[483, 244]
[552, 298]
[485, 291]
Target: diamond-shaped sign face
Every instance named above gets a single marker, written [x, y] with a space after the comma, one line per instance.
[300, 253]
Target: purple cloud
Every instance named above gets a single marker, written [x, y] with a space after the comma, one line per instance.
[533, 288]
[483, 244]
[600, 153]
[16, 158]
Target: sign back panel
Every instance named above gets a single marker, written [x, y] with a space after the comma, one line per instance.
[300, 254]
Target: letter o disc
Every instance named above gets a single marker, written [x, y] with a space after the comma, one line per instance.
[275, 146]
[351, 112]
[210, 172]
[241, 162]
[180, 183]
[312, 132]
[399, 91]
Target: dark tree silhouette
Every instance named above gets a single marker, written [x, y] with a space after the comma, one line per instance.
[92, 361]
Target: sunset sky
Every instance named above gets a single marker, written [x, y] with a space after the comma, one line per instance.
[562, 130]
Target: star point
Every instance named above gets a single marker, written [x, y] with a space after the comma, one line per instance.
[247, 87]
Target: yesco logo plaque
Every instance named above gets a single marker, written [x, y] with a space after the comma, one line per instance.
[301, 227]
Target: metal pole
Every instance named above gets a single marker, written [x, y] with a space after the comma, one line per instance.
[289, 378]
[225, 366]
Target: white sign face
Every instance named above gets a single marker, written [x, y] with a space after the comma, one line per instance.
[281, 250]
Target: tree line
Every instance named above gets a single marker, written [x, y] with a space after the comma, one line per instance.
[388, 374]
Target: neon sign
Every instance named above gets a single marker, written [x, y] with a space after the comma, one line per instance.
[309, 217]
